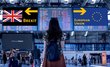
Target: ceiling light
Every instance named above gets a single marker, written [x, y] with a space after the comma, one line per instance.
[93, 1]
[72, 33]
[86, 33]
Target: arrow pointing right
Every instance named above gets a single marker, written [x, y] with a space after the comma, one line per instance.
[82, 11]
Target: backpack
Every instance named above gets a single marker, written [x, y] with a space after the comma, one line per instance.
[53, 50]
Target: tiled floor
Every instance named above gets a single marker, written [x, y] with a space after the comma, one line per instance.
[1, 65]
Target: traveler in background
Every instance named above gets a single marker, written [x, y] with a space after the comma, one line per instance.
[79, 60]
[75, 61]
[13, 62]
[31, 59]
[19, 58]
[72, 59]
[84, 60]
[91, 59]
[37, 56]
[53, 35]
[66, 59]
[90, 62]
[4, 57]
[23, 59]
[94, 60]
[11, 58]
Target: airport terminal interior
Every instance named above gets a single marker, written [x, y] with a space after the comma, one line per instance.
[85, 25]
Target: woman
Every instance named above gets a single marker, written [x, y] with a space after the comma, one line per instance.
[54, 32]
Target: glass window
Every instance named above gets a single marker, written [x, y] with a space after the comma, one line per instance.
[101, 47]
[54, 1]
[81, 47]
[85, 47]
[107, 47]
[70, 47]
[40, 46]
[108, 15]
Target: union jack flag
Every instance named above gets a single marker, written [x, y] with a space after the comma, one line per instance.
[12, 15]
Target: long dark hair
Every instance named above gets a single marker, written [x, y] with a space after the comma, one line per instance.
[54, 31]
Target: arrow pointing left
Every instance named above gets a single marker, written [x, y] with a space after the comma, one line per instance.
[29, 11]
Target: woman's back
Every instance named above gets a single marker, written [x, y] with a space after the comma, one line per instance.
[53, 33]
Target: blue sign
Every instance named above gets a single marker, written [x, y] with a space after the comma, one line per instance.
[92, 17]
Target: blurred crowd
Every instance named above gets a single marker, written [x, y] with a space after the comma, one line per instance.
[81, 61]
[15, 58]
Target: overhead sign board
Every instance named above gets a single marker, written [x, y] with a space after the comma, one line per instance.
[90, 19]
[20, 16]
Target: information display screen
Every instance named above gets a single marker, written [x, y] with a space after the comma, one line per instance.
[64, 16]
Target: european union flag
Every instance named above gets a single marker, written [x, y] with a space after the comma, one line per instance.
[92, 17]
